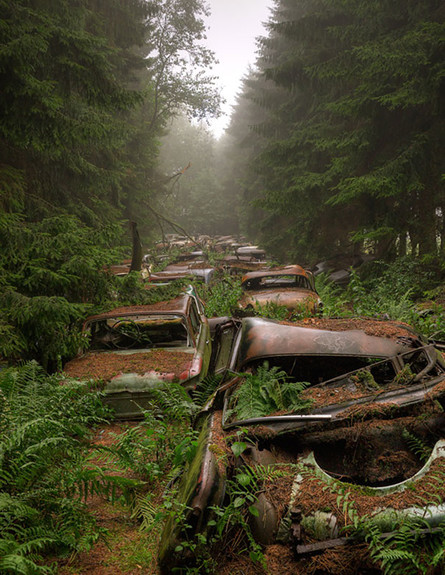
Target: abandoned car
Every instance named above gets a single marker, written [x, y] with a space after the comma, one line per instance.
[197, 270]
[253, 252]
[292, 287]
[134, 349]
[318, 428]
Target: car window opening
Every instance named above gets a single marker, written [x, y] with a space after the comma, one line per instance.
[317, 369]
[274, 282]
[142, 334]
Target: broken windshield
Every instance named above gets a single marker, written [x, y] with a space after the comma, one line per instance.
[274, 281]
[139, 332]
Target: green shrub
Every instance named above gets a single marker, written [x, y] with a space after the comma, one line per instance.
[222, 298]
[45, 471]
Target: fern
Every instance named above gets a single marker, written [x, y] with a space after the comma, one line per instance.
[44, 468]
[409, 549]
[174, 401]
[267, 391]
[145, 511]
[206, 388]
[417, 446]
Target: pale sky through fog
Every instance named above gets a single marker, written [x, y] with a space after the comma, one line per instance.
[232, 29]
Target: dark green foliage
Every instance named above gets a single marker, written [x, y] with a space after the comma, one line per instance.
[63, 73]
[221, 297]
[43, 467]
[334, 298]
[165, 441]
[408, 550]
[51, 273]
[393, 290]
[266, 391]
[417, 446]
[87, 88]
[348, 154]
[206, 388]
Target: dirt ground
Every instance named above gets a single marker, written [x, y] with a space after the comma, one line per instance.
[126, 549]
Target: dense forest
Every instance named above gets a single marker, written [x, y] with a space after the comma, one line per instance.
[347, 154]
[87, 91]
[334, 150]
[334, 147]
[335, 144]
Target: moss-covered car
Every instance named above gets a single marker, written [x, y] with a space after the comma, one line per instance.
[133, 349]
[330, 432]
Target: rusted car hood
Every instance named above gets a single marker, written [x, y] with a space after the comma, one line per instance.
[124, 369]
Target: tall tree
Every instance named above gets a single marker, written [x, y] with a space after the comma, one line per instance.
[355, 158]
[63, 89]
[178, 84]
[192, 194]
[87, 86]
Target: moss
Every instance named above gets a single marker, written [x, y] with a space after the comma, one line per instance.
[365, 378]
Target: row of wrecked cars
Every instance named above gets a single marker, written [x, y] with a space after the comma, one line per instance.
[336, 420]
[291, 286]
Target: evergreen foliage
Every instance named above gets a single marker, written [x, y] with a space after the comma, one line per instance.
[88, 87]
[50, 274]
[64, 73]
[43, 468]
[348, 154]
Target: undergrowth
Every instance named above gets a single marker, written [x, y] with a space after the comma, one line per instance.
[404, 290]
[221, 298]
[45, 469]
[267, 391]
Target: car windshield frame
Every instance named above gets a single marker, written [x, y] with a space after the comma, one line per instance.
[274, 281]
[139, 331]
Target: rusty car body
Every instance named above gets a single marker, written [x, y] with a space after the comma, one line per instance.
[134, 349]
[367, 394]
[197, 268]
[291, 286]
[254, 252]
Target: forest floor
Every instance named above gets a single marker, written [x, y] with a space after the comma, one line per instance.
[125, 549]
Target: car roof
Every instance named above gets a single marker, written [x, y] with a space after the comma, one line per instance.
[179, 305]
[262, 338]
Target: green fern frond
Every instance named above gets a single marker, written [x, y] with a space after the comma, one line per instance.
[417, 446]
[174, 401]
[267, 391]
[22, 565]
[206, 388]
[14, 506]
[145, 511]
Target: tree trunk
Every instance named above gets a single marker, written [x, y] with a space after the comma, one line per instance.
[427, 225]
[136, 257]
